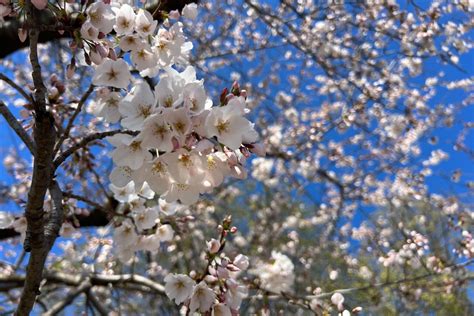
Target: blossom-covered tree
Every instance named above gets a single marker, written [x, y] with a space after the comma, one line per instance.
[236, 157]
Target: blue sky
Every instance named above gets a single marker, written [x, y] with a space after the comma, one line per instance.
[438, 183]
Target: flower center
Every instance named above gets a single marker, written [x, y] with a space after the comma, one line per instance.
[222, 126]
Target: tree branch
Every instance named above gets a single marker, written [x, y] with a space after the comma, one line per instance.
[9, 30]
[45, 138]
[84, 286]
[85, 141]
[70, 124]
[95, 302]
[16, 126]
[16, 87]
[94, 279]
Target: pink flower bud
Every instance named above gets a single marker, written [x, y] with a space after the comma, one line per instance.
[239, 172]
[174, 15]
[22, 34]
[258, 149]
[222, 273]
[233, 230]
[102, 50]
[228, 98]
[232, 268]
[53, 79]
[245, 151]
[112, 54]
[175, 143]
[103, 92]
[235, 88]
[71, 68]
[213, 245]
[223, 95]
[40, 4]
[338, 300]
[73, 45]
[210, 279]
[96, 58]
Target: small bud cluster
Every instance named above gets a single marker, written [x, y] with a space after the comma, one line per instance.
[414, 247]
[217, 289]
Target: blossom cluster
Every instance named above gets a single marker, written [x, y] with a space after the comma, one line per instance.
[217, 290]
[178, 143]
[414, 247]
[144, 226]
[276, 276]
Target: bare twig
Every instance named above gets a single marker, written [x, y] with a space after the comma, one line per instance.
[59, 306]
[70, 124]
[16, 87]
[96, 303]
[85, 142]
[16, 126]
[85, 200]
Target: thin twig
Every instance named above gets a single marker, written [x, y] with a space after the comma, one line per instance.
[85, 141]
[16, 126]
[16, 87]
[97, 305]
[70, 124]
[84, 199]
[59, 306]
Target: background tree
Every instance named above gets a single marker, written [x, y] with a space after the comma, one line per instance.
[363, 198]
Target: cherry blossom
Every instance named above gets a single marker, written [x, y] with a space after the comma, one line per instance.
[179, 287]
[112, 73]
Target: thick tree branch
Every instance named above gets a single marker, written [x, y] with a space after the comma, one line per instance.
[36, 241]
[9, 30]
[15, 281]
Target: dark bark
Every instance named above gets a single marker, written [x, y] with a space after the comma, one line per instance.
[11, 42]
[97, 218]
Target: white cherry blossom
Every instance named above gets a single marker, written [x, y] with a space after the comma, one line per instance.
[107, 106]
[129, 151]
[190, 11]
[202, 299]
[146, 218]
[179, 287]
[112, 73]
[228, 125]
[101, 16]
[125, 19]
[164, 232]
[157, 133]
[145, 25]
[137, 106]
